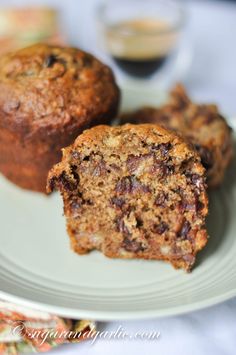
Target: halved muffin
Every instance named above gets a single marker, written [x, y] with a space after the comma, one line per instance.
[133, 191]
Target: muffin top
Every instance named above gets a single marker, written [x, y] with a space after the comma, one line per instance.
[44, 85]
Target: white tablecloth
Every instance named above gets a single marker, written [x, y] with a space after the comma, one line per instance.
[212, 28]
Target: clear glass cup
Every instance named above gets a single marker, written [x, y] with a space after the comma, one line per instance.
[144, 38]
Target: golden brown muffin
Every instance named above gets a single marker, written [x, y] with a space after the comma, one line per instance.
[133, 191]
[202, 125]
[49, 95]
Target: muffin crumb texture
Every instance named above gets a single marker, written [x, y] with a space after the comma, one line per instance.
[133, 191]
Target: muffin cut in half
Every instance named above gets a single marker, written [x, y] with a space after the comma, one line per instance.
[133, 191]
[201, 124]
[49, 95]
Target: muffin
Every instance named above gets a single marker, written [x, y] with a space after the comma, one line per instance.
[49, 95]
[202, 125]
[142, 186]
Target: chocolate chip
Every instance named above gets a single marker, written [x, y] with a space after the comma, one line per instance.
[115, 167]
[178, 190]
[164, 148]
[190, 205]
[62, 182]
[134, 161]
[163, 169]
[199, 206]
[76, 202]
[187, 206]
[132, 245]
[196, 179]
[74, 172]
[50, 60]
[206, 156]
[124, 185]
[121, 227]
[160, 228]
[75, 205]
[139, 222]
[185, 228]
[161, 199]
[169, 169]
[129, 184]
[75, 155]
[87, 61]
[52, 183]
[100, 169]
[117, 202]
[66, 183]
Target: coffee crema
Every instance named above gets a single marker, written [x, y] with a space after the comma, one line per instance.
[140, 47]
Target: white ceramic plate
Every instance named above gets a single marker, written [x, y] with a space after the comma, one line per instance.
[38, 269]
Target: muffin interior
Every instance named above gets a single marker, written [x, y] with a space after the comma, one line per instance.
[129, 195]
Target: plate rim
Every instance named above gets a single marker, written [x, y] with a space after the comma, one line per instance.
[114, 316]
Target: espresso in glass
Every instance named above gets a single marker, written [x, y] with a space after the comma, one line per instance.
[141, 35]
[141, 46]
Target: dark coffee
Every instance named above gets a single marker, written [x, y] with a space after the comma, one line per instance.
[140, 47]
[140, 68]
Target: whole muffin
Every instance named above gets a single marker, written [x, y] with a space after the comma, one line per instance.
[48, 96]
[142, 186]
[201, 124]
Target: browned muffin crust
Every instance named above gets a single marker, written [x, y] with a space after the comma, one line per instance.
[49, 95]
[133, 191]
[202, 125]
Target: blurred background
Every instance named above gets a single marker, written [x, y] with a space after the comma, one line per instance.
[208, 34]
